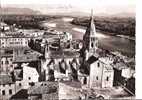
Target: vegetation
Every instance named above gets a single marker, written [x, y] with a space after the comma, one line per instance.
[26, 21]
[113, 26]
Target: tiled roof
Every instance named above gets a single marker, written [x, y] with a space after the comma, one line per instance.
[26, 58]
[120, 65]
[92, 59]
[64, 54]
[20, 95]
[5, 79]
[74, 84]
[51, 96]
[44, 88]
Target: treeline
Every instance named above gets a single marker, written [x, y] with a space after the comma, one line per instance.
[26, 21]
[113, 26]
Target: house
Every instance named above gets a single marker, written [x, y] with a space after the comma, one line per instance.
[101, 73]
[7, 86]
[30, 75]
[6, 62]
[14, 39]
[55, 90]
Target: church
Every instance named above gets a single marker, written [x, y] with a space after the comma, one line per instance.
[87, 65]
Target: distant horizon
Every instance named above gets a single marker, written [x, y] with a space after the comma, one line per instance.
[109, 7]
[72, 11]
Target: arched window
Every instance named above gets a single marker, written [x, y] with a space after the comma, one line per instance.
[92, 45]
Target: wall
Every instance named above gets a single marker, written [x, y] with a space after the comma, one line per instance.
[11, 42]
[6, 88]
[6, 63]
[110, 75]
[96, 74]
[29, 75]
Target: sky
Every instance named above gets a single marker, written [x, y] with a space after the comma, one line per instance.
[100, 6]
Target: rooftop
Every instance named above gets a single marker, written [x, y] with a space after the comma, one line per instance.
[20, 95]
[120, 65]
[63, 54]
[113, 92]
[43, 88]
[26, 58]
[74, 84]
[5, 79]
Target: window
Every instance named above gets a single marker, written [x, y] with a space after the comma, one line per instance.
[97, 78]
[20, 84]
[2, 62]
[107, 78]
[29, 78]
[6, 62]
[9, 84]
[11, 59]
[11, 65]
[98, 64]
[3, 92]
[92, 45]
[10, 91]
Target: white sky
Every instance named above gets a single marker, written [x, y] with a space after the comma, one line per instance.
[99, 5]
[73, 2]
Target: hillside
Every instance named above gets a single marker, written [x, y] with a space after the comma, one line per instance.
[18, 11]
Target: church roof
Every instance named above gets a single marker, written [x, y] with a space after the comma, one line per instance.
[91, 27]
[92, 59]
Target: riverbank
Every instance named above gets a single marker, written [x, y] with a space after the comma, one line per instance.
[126, 37]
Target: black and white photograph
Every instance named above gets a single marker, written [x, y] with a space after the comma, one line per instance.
[67, 49]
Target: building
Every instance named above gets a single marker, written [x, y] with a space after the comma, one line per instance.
[28, 76]
[6, 63]
[98, 67]
[14, 39]
[90, 44]
[44, 91]
[55, 90]
[101, 73]
[58, 59]
[7, 87]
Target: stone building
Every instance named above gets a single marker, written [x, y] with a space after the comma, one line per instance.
[13, 39]
[101, 73]
[58, 59]
[7, 87]
[90, 40]
[6, 63]
[98, 67]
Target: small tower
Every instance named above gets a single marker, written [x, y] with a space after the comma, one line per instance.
[90, 41]
[47, 51]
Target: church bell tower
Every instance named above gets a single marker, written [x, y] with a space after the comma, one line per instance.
[89, 38]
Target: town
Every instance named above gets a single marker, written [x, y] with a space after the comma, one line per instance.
[51, 64]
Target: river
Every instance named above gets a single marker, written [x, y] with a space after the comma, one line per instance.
[113, 43]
